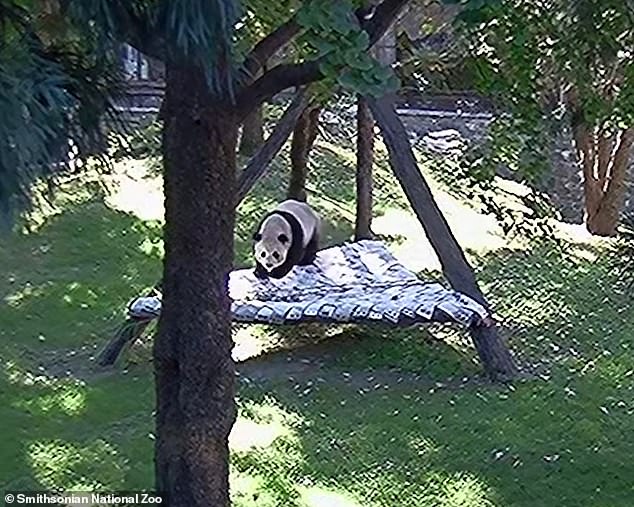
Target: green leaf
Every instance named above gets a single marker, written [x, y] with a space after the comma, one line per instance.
[305, 16]
[348, 80]
[393, 84]
[328, 69]
[362, 40]
[382, 73]
[324, 46]
[473, 17]
[362, 62]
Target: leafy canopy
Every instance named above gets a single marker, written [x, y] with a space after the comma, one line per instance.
[546, 63]
[333, 35]
[535, 55]
[58, 64]
[53, 87]
[59, 70]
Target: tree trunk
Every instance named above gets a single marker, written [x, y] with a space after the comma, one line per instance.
[604, 159]
[493, 353]
[194, 372]
[252, 132]
[257, 165]
[365, 159]
[304, 136]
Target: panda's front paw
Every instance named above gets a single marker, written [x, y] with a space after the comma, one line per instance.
[307, 260]
[260, 273]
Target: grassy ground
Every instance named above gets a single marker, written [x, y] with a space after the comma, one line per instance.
[350, 416]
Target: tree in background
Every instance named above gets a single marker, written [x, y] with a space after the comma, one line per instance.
[304, 136]
[54, 86]
[209, 92]
[363, 179]
[259, 19]
[562, 60]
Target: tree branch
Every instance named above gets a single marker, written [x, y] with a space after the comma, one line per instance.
[267, 47]
[140, 35]
[282, 77]
[384, 15]
[620, 162]
[261, 160]
[604, 151]
[611, 200]
[275, 80]
[494, 354]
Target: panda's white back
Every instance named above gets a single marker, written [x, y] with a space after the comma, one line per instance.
[306, 216]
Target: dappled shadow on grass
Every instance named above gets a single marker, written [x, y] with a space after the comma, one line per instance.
[377, 417]
[62, 286]
[63, 289]
[560, 305]
[378, 439]
[390, 443]
[65, 433]
[373, 347]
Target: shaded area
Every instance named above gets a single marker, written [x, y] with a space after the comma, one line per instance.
[365, 416]
[386, 436]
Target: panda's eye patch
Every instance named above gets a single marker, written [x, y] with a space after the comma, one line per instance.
[276, 256]
[283, 238]
[257, 236]
[263, 254]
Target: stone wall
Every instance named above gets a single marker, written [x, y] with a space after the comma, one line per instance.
[444, 131]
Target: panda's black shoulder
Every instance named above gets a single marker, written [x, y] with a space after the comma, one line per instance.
[296, 228]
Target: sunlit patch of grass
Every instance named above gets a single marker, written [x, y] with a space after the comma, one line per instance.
[247, 434]
[16, 374]
[25, 293]
[464, 490]
[59, 464]
[248, 490]
[263, 459]
[137, 190]
[68, 398]
[260, 425]
[320, 497]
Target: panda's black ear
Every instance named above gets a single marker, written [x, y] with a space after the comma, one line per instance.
[283, 238]
[257, 236]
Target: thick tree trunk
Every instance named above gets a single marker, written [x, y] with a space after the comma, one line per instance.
[304, 136]
[365, 159]
[252, 132]
[194, 371]
[604, 159]
[493, 353]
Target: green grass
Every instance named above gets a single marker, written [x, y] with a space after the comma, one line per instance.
[358, 416]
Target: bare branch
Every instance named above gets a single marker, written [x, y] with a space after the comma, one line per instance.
[277, 79]
[604, 151]
[260, 161]
[268, 46]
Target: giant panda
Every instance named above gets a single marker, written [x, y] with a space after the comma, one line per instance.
[287, 236]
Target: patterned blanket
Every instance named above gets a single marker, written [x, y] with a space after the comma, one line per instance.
[356, 282]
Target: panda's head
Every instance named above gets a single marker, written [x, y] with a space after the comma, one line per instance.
[272, 242]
